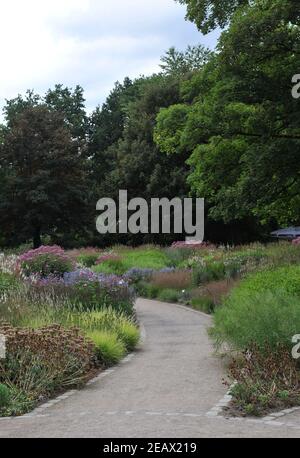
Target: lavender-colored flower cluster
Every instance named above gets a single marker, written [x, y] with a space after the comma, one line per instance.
[135, 275]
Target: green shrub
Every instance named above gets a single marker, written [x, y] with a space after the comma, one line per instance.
[147, 290]
[88, 260]
[5, 396]
[177, 256]
[111, 268]
[168, 295]
[148, 258]
[264, 318]
[286, 279]
[210, 272]
[204, 304]
[109, 348]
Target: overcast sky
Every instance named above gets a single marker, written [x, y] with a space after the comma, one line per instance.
[88, 42]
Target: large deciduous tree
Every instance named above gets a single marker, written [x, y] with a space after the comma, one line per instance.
[44, 189]
[210, 14]
[239, 122]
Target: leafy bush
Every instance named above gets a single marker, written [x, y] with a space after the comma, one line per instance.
[109, 349]
[88, 259]
[45, 261]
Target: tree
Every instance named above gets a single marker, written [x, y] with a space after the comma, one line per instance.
[44, 191]
[210, 14]
[239, 122]
[71, 104]
[177, 63]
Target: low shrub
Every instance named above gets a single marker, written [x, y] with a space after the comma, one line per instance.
[168, 295]
[264, 318]
[109, 348]
[45, 261]
[208, 272]
[177, 256]
[88, 258]
[145, 289]
[204, 304]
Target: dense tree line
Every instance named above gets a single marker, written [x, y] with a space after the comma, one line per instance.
[221, 125]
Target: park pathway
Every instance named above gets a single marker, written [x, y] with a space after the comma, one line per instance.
[165, 390]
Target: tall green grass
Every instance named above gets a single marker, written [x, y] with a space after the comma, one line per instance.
[264, 310]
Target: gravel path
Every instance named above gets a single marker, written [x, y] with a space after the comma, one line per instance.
[165, 390]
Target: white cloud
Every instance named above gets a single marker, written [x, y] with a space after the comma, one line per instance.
[87, 42]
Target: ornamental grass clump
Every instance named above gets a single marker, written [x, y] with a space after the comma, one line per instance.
[46, 261]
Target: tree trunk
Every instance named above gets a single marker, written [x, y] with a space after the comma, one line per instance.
[37, 242]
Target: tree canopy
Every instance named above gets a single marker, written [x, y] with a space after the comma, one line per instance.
[221, 125]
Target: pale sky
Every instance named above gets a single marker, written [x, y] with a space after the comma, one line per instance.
[88, 42]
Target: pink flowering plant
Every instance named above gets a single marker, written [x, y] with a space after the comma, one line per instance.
[46, 261]
[296, 241]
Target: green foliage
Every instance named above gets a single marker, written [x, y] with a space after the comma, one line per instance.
[209, 272]
[44, 163]
[110, 350]
[210, 14]
[285, 279]
[177, 63]
[5, 396]
[263, 318]
[168, 295]
[128, 333]
[204, 304]
[88, 260]
[242, 143]
[7, 282]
